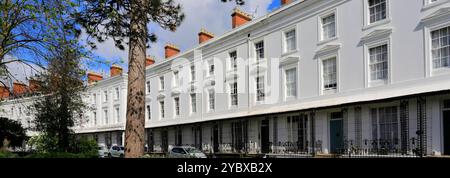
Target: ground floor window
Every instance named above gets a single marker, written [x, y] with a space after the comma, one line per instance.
[385, 127]
[239, 139]
[297, 133]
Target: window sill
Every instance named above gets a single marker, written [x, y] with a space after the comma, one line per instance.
[376, 83]
[289, 53]
[322, 42]
[441, 71]
[329, 91]
[290, 98]
[376, 24]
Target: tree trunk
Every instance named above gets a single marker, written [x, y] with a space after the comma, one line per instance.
[135, 124]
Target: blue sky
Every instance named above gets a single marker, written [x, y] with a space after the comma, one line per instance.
[210, 14]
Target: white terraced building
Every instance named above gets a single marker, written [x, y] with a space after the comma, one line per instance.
[360, 77]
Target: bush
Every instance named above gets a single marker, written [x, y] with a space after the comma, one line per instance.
[60, 155]
[47, 147]
[7, 154]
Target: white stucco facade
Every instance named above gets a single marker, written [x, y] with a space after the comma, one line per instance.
[357, 100]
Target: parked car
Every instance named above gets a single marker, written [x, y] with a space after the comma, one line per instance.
[186, 152]
[102, 151]
[116, 152]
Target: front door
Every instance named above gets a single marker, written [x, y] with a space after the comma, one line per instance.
[265, 142]
[336, 135]
[446, 124]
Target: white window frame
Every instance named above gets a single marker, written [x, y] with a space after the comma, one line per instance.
[367, 46]
[257, 89]
[324, 91]
[162, 82]
[231, 105]
[117, 93]
[257, 57]
[377, 108]
[176, 106]
[117, 114]
[149, 112]
[212, 66]
[162, 112]
[105, 116]
[232, 60]
[95, 117]
[285, 69]
[211, 100]
[320, 18]
[428, 4]
[193, 103]
[284, 44]
[105, 96]
[192, 72]
[368, 24]
[176, 78]
[429, 70]
[148, 87]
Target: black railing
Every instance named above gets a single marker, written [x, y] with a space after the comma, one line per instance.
[378, 148]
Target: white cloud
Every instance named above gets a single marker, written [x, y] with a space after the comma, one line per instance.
[212, 15]
[19, 71]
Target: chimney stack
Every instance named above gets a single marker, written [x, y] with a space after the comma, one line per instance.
[171, 50]
[19, 88]
[204, 35]
[94, 77]
[115, 70]
[149, 61]
[4, 92]
[284, 2]
[239, 18]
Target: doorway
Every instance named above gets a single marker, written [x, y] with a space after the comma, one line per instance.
[216, 138]
[446, 125]
[336, 132]
[265, 142]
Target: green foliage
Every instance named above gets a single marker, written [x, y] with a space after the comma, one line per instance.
[12, 131]
[61, 155]
[7, 154]
[47, 147]
[103, 19]
[62, 106]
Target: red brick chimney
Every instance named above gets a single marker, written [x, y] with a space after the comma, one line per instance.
[149, 61]
[4, 92]
[33, 85]
[239, 18]
[204, 35]
[171, 50]
[284, 2]
[19, 88]
[115, 70]
[94, 77]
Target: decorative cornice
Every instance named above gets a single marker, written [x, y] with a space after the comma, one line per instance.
[442, 12]
[379, 33]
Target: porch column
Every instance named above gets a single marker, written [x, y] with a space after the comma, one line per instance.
[421, 126]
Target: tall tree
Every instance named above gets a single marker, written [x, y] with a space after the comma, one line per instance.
[61, 106]
[27, 32]
[126, 21]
